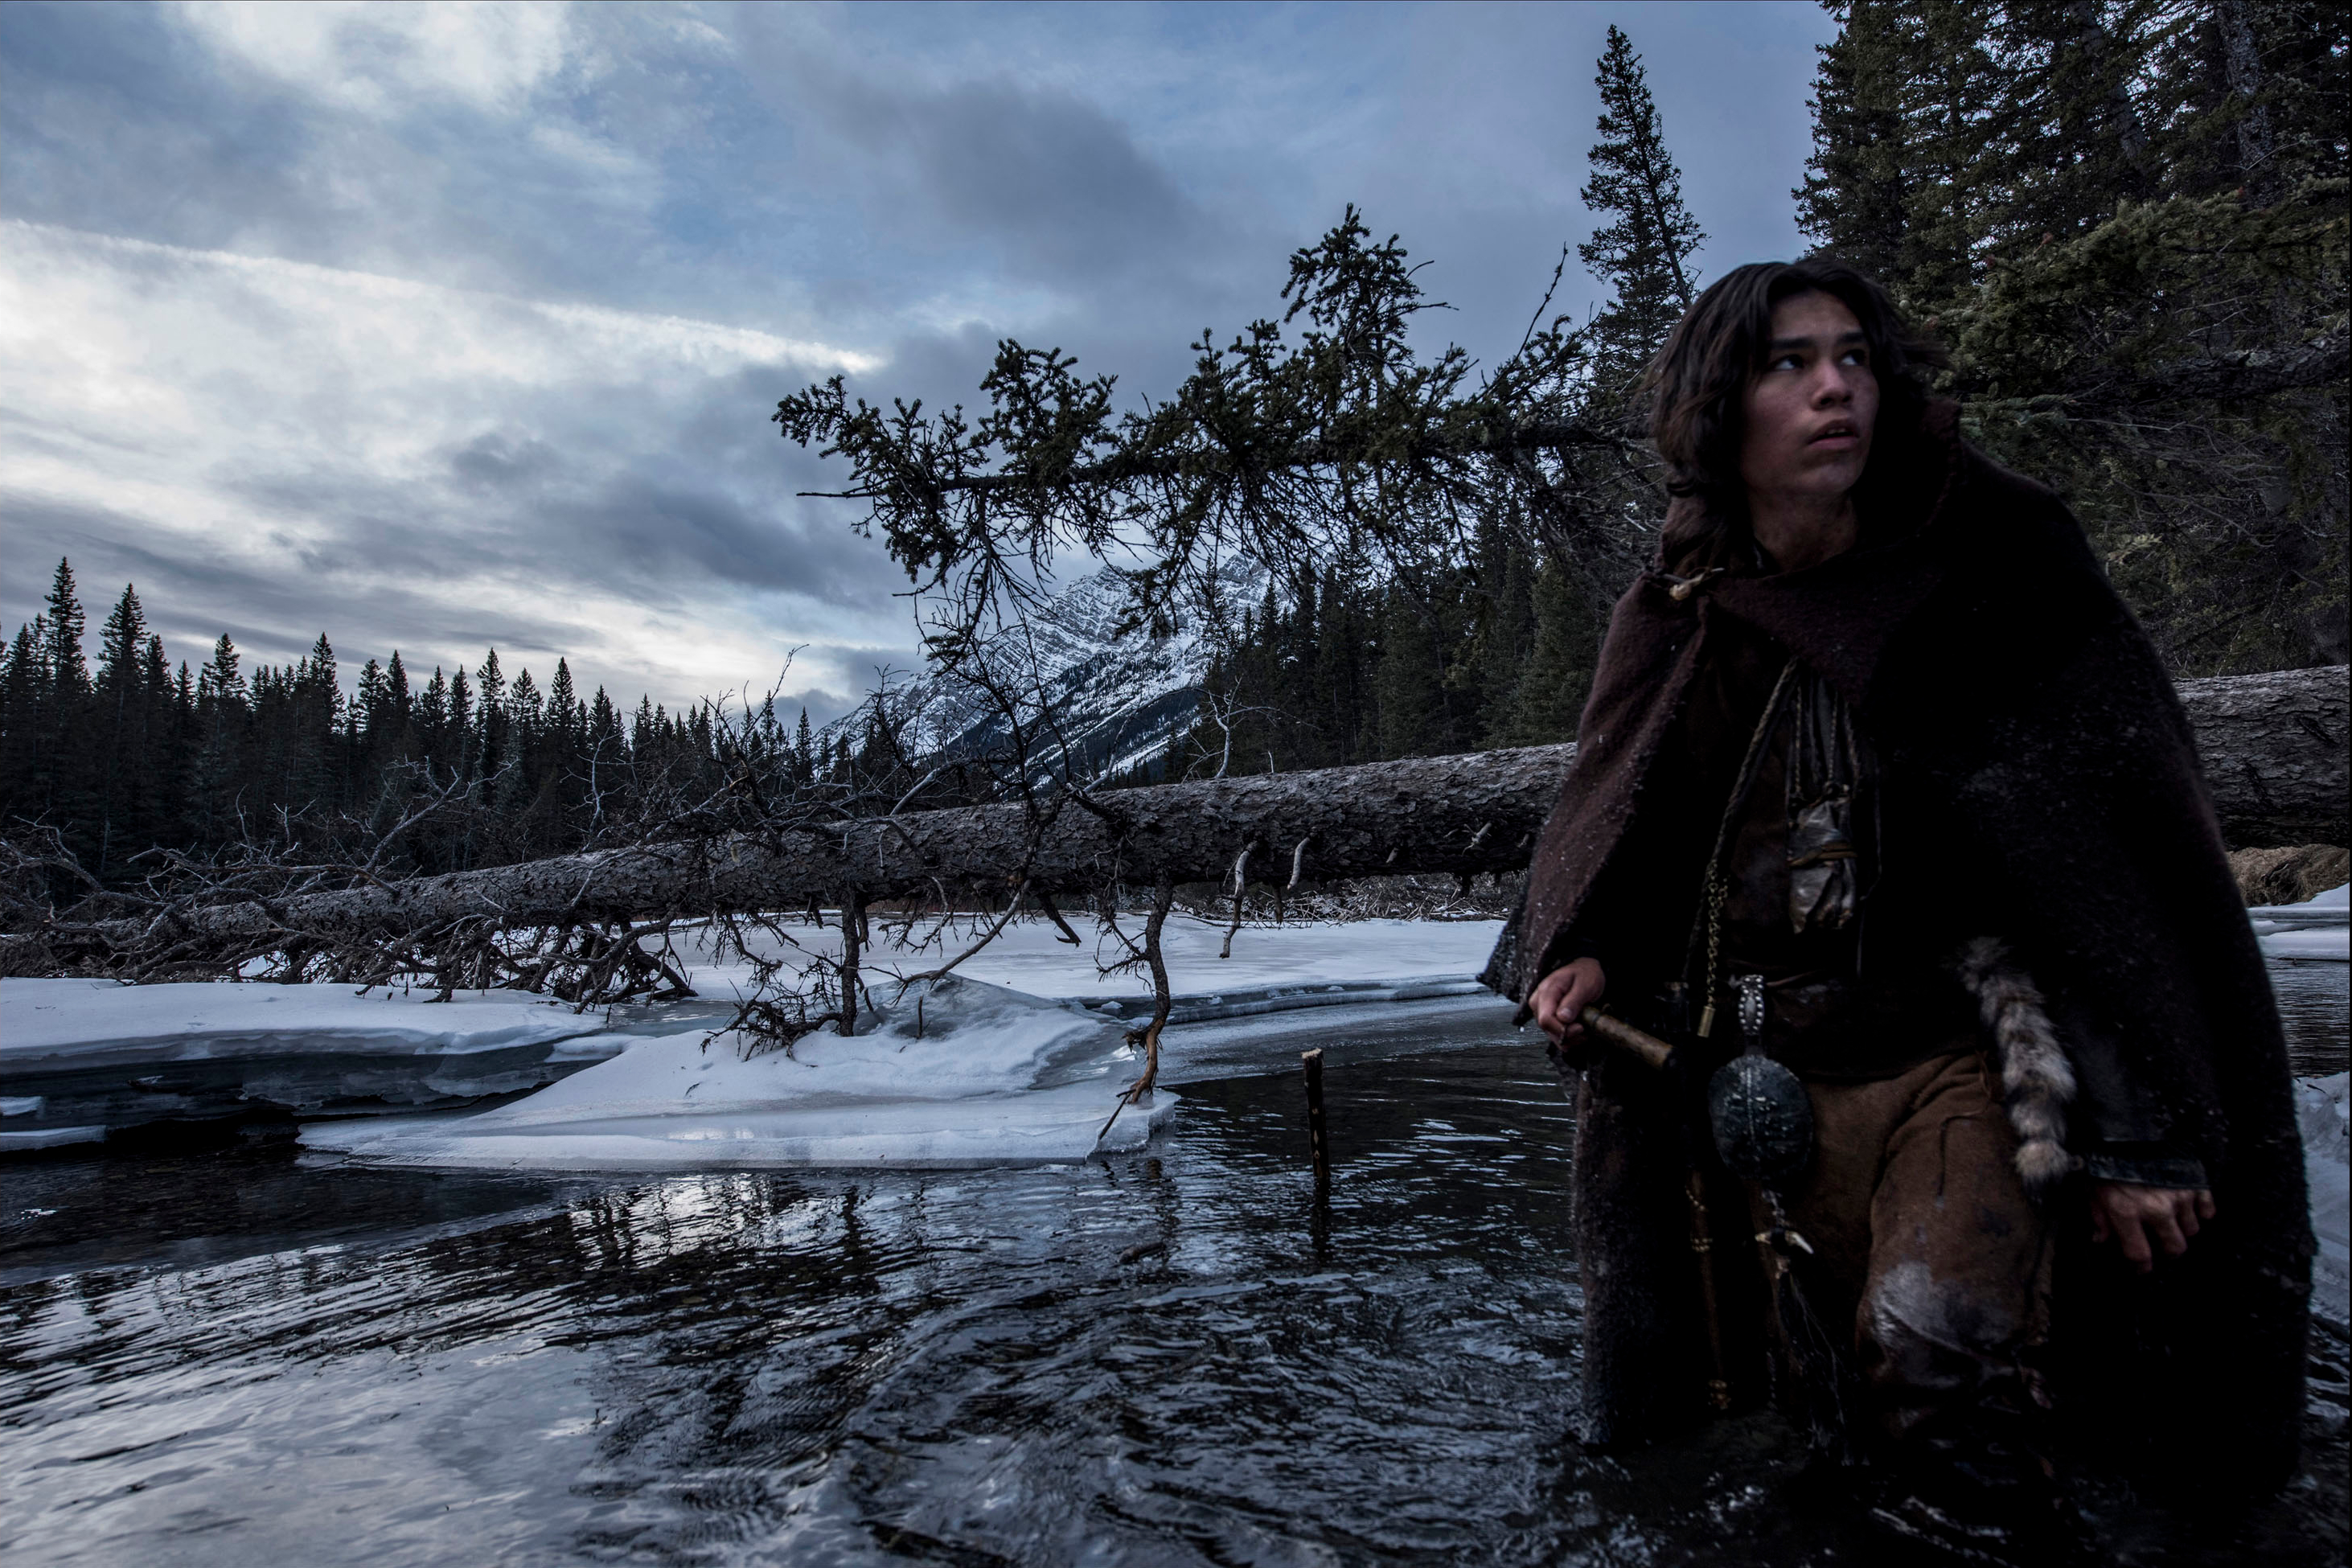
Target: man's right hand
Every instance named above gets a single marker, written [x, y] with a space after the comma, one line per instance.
[1561, 997]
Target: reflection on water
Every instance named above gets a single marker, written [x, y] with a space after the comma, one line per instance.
[2316, 1004]
[246, 1356]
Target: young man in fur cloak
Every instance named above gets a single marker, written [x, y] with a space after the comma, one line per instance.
[1886, 812]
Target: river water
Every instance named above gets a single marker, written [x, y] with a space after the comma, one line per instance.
[246, 1355]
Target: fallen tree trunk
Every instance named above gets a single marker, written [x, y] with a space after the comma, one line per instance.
[2274, 748]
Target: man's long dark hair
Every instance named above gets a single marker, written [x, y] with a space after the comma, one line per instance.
[1699, 387]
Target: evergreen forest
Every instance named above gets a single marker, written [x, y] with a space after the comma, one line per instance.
[2125, 221]
[458, 772]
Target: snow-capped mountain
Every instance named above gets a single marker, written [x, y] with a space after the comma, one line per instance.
[1120, 698]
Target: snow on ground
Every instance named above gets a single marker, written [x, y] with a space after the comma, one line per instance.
[2315, 929]
[976, 1069]
[1032, 956]
[77, 1057]
[958, 1073]
[2322, 944]
[97, 1021]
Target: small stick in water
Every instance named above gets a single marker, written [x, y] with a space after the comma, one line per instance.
[1317, 1137]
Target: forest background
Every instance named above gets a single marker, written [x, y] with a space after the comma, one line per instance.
[2126, 223]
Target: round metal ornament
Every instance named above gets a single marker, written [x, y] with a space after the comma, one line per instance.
[1763, 1118]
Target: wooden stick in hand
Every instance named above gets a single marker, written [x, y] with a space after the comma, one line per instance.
[1625, 1038]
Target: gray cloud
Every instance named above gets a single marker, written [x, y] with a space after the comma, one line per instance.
[274, 454]
[1053, 178]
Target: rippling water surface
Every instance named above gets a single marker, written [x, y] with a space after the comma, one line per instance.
[2316, 1004]
[249, 1356]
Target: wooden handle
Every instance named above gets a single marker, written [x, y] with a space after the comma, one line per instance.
[1625, 1038]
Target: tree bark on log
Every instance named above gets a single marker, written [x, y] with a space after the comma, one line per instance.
[2275, 750]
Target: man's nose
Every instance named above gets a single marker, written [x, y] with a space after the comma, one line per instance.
[1833, 383]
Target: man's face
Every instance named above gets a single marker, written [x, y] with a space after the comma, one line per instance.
[1811, 408]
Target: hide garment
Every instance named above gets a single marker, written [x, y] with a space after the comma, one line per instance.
[2039, 788]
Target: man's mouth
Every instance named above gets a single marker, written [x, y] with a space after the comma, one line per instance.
[1838, 432]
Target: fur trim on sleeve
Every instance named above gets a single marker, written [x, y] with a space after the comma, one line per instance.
[2037, 1081]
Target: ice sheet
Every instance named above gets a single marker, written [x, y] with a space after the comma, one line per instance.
[1030, 956]
[2325, 943]
[79, 1057]
[958, 1073]
[2316, 929]
[48, 1022]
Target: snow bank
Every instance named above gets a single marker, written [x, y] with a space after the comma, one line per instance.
[1030, 956]
[2320, 927]
[90, 1022]
[77, 1057]
[2321, 945]
[957, 1073]
[2325, 1120]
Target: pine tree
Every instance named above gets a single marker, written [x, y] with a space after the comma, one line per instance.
[1416, 705]
[2074, 197]
[1505, 626]
[1910, 120]
[1855, 204]
[313, 751]
[490, 717]
[1564, 646]
[121, 718]
[220, 682]
[526, 709]
[604, 721]
[222, 713]
[23, 683]
[2072, 140]
[372, 703]
[460, 730]
[1645, 251]
[69, 670]
[2260, 87]
[396, 681]
[169, 725]
[61, 763]
[563, 702]
[432, 717]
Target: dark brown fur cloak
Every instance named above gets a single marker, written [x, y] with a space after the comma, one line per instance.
[2039, 744]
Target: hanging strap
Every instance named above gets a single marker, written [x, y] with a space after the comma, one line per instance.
[1707, 927]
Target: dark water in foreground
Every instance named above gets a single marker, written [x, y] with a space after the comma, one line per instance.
[249, 1356]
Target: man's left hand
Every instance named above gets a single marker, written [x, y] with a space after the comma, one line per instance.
[2143, 1219]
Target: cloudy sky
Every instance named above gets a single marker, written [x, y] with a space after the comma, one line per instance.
[448, 327]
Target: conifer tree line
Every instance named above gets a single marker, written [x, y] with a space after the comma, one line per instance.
[136, 753]
[2079, 198]
[2125, 220]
